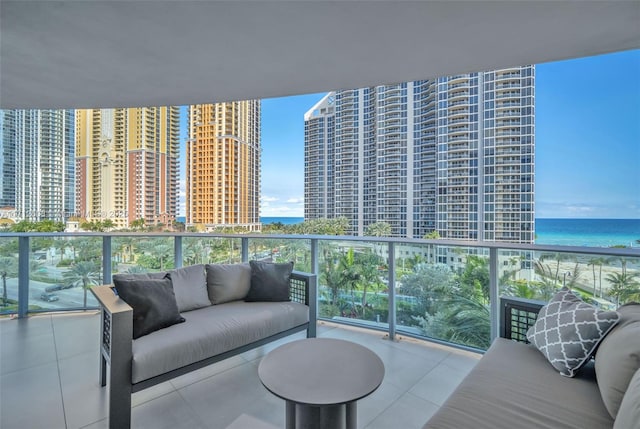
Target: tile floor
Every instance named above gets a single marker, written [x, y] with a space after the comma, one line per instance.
[49, 380]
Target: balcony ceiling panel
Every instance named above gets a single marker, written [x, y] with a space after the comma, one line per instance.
[66, 54]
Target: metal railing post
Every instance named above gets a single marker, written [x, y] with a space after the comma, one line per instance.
[315, 262]
[177, 251]
[493, 291]
[23, 276]
[392, 290]
[106, 259]
[245, 249]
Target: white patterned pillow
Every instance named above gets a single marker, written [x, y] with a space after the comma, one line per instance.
[568, 330]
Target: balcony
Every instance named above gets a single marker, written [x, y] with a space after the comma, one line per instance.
[49, 356]
[53, 367]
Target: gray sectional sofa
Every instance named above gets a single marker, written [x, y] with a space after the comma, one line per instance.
[217, 311]
[514, 385]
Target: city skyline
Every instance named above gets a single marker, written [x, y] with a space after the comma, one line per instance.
[597, 182]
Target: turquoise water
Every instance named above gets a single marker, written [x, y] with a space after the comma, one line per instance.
[283, 220]
[563, 232]
[588, 232]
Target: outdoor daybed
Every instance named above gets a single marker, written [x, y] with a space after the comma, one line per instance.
[162, 325]
[518, 385]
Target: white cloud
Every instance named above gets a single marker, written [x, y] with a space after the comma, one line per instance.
[295, 201]
[268, 199]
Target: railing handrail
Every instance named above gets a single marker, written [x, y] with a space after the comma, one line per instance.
[586, 250]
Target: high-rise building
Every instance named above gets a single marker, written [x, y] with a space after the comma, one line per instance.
[453, 155]
[223, 165]
[127, 164]
[37, 163]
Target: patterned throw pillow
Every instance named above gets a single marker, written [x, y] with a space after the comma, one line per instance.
[568, 330]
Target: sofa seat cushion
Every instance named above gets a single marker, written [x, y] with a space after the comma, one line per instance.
[513, 386]
[210, 331]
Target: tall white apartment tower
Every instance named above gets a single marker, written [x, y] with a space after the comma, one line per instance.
[453, 155]
[37, 156]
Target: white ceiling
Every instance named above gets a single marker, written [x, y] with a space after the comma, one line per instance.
[73, 54]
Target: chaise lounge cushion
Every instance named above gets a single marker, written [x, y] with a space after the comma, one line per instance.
[618, 357]
[269, 281]
[568, 330]
[513, 386]
[228, 282]
[190, 287]
[210, 331]
[153, 303]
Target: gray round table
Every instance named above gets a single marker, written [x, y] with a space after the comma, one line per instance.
[321, 379]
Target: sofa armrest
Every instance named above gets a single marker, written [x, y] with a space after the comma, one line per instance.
[116, 351]
[517, 315]
[302, 289]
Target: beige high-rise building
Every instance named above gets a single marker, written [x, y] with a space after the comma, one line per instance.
[223, 165]
[127, 164]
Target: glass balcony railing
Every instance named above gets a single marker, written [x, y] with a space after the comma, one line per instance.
[445, 291]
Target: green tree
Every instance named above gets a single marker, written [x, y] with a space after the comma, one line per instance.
[378, 229]
[8, 268]
[433, 235]
[61, 244]
[84, 274]
[624, 286]
[474, 278]
[137, 224]
[427, 283]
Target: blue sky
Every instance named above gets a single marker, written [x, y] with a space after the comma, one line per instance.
[587, 141]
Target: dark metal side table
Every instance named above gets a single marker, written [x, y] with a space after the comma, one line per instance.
[321, 379]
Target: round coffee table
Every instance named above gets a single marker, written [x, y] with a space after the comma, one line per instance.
[321, 379]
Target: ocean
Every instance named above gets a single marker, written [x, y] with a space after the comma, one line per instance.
[562, 232]
[588, 232]
[282, 220]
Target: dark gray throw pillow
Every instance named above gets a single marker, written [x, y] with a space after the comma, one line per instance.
[153, 302]
[568, 330]
[269, 281]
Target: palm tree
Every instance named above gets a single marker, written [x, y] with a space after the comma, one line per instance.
[61, 244]
[623, 286]
[369, 275]
[85, 274]
[8, 268]
[378, 229]
[349, 273]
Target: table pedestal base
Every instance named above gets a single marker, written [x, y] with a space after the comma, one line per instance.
[343, 416]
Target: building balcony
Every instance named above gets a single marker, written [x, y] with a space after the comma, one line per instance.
[49, 354]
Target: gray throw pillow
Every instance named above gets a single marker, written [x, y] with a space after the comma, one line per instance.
[190, 287]
[629, 413]
[139, 276]
[269, 282]
[228, 282]
[153, 303]
[568, 330]
[618, 357]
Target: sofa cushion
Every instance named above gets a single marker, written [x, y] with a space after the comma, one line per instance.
[618, 357]
[269, 281]
[513, 386]
[190, 287]
[228, 282]
[629, 412]
[210, 331]
[568, 330]
[153, 303]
